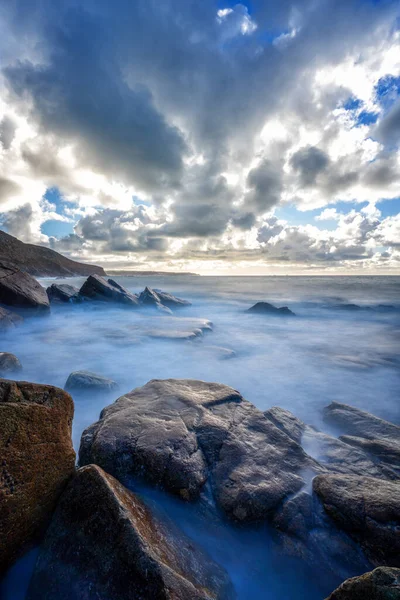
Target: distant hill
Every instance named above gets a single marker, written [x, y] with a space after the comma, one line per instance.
[119, 273]
[40, 261]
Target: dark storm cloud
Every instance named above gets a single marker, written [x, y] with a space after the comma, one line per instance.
[309, 163]
[7, 131]
[388, 129]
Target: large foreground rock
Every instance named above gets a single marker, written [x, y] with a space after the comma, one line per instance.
[368, 510]
[9, 319]
[20, 289]
[98, 288]
[83, 380]
[37, 459]
[179, 434]
[62, 292]
[381, 584]
[105, 544]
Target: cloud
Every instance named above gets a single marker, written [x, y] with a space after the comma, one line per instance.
[309, 163]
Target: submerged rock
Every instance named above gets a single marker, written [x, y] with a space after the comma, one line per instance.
[37, 459]
[356, 422]
[178, 434]
[20, 289]
[9, 319]
[81, 380]
[62, 292]
[381, 584]
[98, 288]
[368, 510]
[9, 363]
[264, 308]
[104, 543]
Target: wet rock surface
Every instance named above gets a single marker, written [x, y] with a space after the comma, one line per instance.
[81, 380]
[37, 459]
[179, 434]
[9, 363]
[368, 510]
[20, 289]
[9, 319]
[62, 292]
[381, 584]
[356, 422]
[98, 288]
[264, 308]
[104, 543]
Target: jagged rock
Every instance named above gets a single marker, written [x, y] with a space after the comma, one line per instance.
[178, 434]
[20, 289]
[97, 288]
[264, 308]
[356, 422]
[385, 450]
[104, 543]
[37, 460]
[171, 301]
[62, 292]
[9, 363]
[151, 299]
[8, 319]
[368, 510]
[381, 584]
[333, 454]
[81, 380]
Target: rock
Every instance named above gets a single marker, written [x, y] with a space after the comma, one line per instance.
[82, 380]
[167, 334]
[97, 288]
[171, 301]
[62, 292]
[8, 319]
[333, 454]
[37, 459]
[179, 434]
[356, 422]
[220, 352]
[386, 451]
[104, 543]
[151, 299]
[264, 308]
[20, 289]
[381, 584]
[9, 363]
[368, 510]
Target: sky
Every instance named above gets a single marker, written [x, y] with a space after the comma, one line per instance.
[209, 136]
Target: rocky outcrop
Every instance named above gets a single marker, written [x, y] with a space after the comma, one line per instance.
[40, 261]
[264, 308]
[368, 510]
[171, 301]
[62, 292]
[37, 459]
[381, 584]
[104, 543]
[98, 288]
[384, 450]
[9, 319]
[356, 422]
[180, 434]
[82, 380]
[150, 299]
[9, 363]
[20, 289]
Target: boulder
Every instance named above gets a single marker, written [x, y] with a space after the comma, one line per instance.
[179, 434]
[9, 363]
[384, 450]
[264, 308]
[98, 288]
[20, 289]
[356, 422]
[62, 292]
[368, 510]
[104, 543]
[82, 380]
[151, 299]
[9, 319]
[37, 459]
[381, 584]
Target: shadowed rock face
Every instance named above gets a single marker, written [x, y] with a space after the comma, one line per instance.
[178, 434]
[62, 292]
[104, 543]
[82, 380]
[368, 510]
[8, 319]
[264, 308]
[20, 289]
[381, 584]
[98, 288]
[37, 460]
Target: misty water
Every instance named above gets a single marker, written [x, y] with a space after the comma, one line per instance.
[302, 363]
